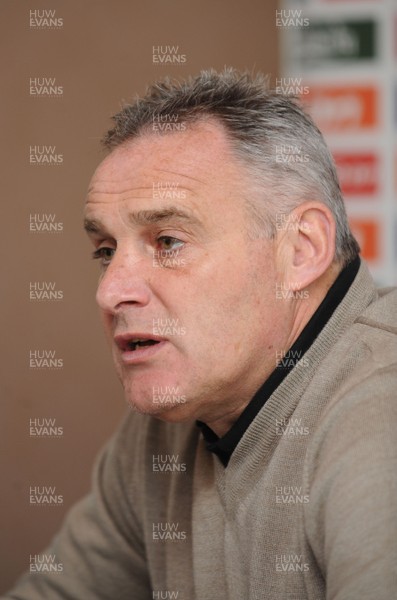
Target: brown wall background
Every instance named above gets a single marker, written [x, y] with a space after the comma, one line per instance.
[101, 55]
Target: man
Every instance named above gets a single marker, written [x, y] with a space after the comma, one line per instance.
[260, 461]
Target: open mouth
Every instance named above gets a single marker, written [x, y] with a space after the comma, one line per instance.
[133, 344]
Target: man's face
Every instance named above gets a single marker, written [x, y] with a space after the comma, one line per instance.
[187, 298]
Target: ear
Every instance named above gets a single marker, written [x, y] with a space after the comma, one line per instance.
[306, 242]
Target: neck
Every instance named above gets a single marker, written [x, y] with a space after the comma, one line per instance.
[299, 316]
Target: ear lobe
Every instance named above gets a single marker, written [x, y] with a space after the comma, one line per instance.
[311, 243]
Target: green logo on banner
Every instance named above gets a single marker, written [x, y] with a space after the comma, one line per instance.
[335, 41]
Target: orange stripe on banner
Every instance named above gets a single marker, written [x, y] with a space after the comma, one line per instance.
[339, 108]
[367, 233]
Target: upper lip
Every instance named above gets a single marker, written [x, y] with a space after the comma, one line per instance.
[124, 339]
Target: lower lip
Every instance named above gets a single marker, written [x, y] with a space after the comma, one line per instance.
[141, 354]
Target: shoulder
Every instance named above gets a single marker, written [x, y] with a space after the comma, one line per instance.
[356, 434]
[376, 326]
[359, 420]
[361, 370]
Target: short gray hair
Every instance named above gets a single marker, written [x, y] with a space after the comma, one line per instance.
[277, 141]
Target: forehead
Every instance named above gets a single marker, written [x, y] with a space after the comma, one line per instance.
[199, 156]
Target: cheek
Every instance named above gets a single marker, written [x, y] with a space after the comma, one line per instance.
[249, 305]
[107, 324]
[230, 312]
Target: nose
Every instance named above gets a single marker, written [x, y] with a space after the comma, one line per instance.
[123, 282]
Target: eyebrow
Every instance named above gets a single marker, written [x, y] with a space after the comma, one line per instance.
[146, 217]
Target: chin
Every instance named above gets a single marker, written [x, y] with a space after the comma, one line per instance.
[162, 400]
[169, 411]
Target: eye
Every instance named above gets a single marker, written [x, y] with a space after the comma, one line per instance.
[104, 254]
[168, 243]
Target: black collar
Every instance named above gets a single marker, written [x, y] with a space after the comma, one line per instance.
[225, 445]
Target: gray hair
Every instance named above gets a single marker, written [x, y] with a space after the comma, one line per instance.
[279, 144]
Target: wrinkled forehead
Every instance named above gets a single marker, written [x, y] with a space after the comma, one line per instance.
[200, 155]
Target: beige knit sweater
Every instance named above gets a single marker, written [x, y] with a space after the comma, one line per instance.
[306, 508]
